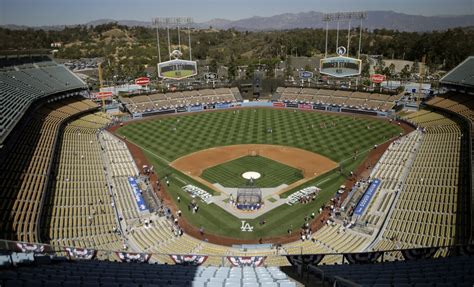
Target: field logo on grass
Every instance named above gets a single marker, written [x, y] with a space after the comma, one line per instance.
[246, 227]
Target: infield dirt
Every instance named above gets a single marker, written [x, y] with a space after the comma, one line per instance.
[311, 164]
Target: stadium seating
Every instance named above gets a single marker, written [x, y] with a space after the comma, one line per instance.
[22, 84]
[25, 169]
[93, 273]
[431, 209]
[160, 238]
[121, 166]
[332, 238]
[391, 169]
[358, 100]
[169, 101]
[460, 104]
[79, 206]
[448, 271]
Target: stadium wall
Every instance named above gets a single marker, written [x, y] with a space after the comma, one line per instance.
[318, 107]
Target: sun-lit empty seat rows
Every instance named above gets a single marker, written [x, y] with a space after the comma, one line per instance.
[25, 168]
[122, 166]
[391, 170]
[159, 238]
[121, 161]
[332, 238]
[173, 100]
[359, 100]
[431, 209]
[78, 208]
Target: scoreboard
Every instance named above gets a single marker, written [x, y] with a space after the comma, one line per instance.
[177, 69]
[340, 66]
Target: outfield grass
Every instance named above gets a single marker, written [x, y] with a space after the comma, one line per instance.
[273, 174]
[173, 137]
[166, 139]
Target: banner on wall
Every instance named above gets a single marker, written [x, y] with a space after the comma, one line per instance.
[80, 253]
[133, 257]
[419, 253]
[31, 247]
[137, 194]
[241, 261]
[362, 258]
[309, 259]
[305, 106]
[365, 200]
[195, 108]
[193, 260]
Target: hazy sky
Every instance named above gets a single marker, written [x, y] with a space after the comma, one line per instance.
[53, 12]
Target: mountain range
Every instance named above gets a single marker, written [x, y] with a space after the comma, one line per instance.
[312, 19]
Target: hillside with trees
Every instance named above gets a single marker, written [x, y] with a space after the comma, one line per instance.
[129, 50]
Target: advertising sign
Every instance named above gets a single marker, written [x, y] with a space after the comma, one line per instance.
[377, 78]
[142, 81]
[306, 74]
[305, 106]
[137, 194]
[101, 95]
[365, 200]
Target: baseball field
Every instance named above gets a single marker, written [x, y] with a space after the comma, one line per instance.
[340, 141]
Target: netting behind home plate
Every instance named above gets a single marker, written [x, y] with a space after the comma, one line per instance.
[249, 195]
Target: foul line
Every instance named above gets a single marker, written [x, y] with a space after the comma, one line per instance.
[159, 157]
[323, 181]
[369, 149]
[180, 179]
[150, 152]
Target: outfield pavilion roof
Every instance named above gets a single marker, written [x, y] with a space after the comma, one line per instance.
[462, 75]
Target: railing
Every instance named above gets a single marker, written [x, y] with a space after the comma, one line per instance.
[275, 258]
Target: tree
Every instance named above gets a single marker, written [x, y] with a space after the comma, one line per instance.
[414, 67]
[232, 70]
[405, 73]
[250, 71]
[213, 66]
[288, 68]
[392, 69]
[365, 69]
[271, 69]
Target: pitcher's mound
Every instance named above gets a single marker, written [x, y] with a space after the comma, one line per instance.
[251, 175]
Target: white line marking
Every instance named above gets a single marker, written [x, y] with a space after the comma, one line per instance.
[150, 152]
[180, 179]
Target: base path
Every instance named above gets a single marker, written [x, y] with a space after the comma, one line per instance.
[312, 164]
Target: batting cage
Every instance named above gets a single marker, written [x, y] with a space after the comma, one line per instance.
[249, 198]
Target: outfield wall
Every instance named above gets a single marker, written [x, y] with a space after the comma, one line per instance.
[289, 105]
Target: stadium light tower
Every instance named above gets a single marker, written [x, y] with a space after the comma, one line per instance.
[344, 17]
[175, 68]
[172, 22]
